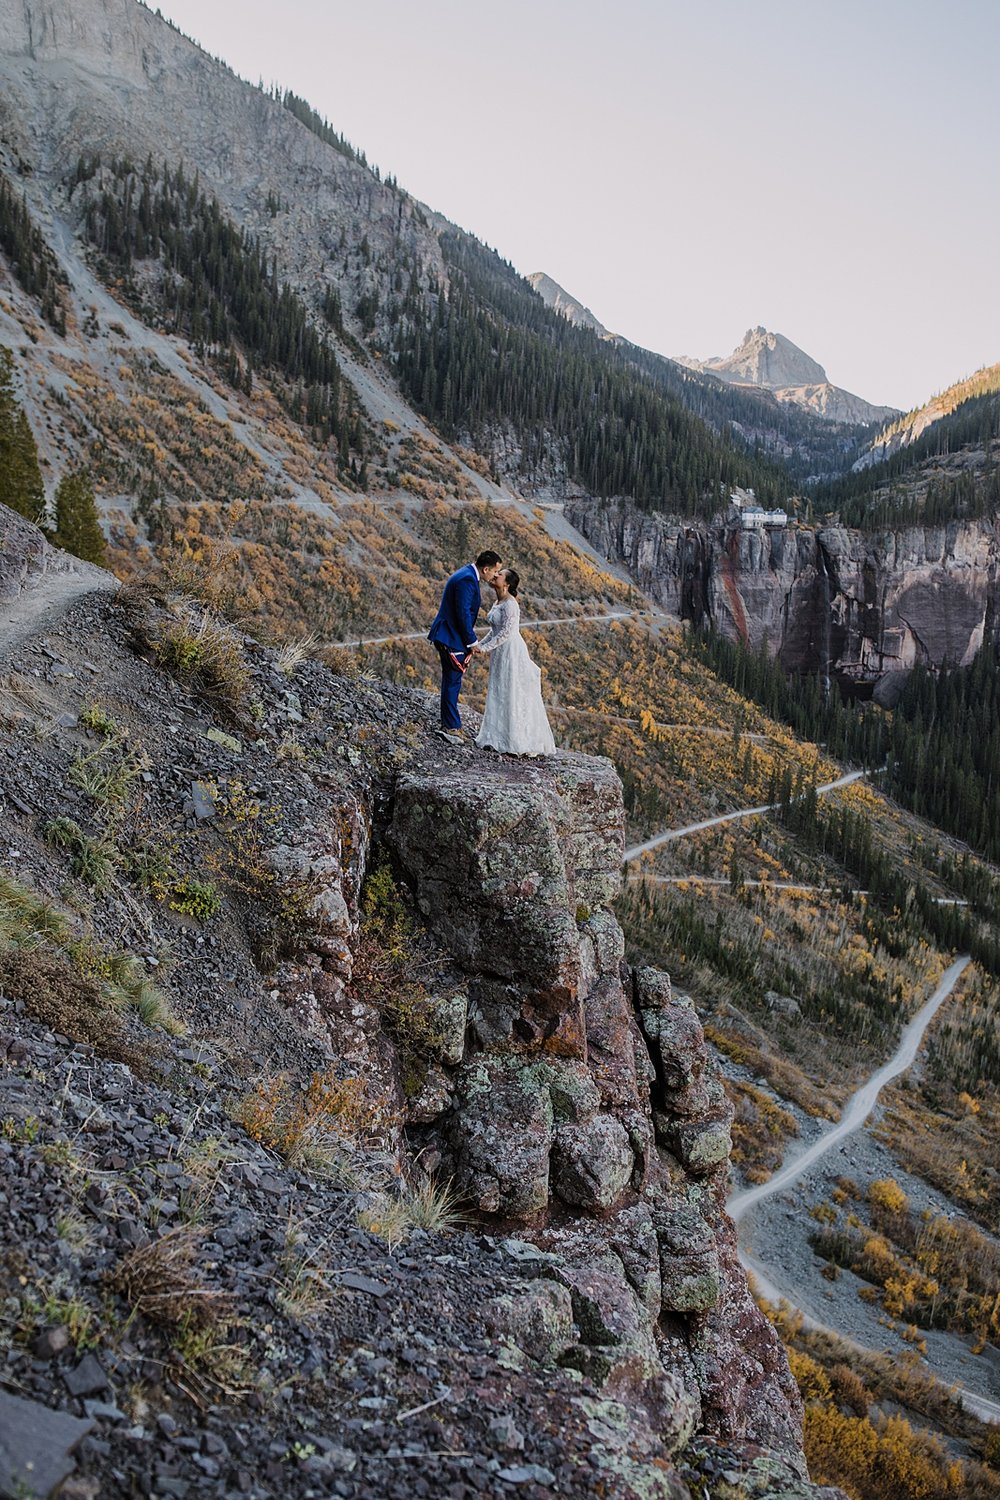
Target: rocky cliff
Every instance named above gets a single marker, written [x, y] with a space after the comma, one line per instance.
[198, 1292]
[862, 607]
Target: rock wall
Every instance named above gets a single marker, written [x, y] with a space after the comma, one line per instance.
[862, 607]
[582, 1109]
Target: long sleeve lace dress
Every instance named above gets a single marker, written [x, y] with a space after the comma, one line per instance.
[514, 720]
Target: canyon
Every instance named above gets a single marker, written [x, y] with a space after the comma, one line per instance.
[862, 608]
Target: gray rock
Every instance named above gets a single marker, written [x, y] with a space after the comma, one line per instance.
[539, 1320]
[87, 1378]
[502, 1135]
[528, 1474]
[35, 1446]
[592, 1163]
[783, 1005]
[202, 800]
[689, 1260]
[505, 1433]
[51, 1342]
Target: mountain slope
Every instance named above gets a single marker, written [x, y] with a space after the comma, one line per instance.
[811, 431]
[92, 91]
[904, 432]
[938, 464]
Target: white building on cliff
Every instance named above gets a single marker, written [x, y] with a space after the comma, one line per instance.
[751, 515]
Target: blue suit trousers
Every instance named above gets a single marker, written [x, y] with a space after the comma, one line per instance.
[451, 686]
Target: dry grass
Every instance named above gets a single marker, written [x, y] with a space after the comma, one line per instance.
[784, 1077]
[947, 1145]
[431, 1206]
[292, 654]
[160, 1282]
[206, 654]
[761, 1130]
[311, 1128]
[904, 1380]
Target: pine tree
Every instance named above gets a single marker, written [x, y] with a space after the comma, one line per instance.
[77, 527]
[21, 484]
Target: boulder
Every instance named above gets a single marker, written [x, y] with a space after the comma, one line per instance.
[539, 1320]
[501, 1135]
[592, 1163]
[689, 1261]
[676, 1043]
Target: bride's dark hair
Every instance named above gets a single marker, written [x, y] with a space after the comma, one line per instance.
[513, 579]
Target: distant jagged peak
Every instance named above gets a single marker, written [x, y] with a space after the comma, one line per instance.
[556, 297]
[768, 359]
[772, 362]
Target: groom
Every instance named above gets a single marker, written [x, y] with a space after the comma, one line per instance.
[454, 635]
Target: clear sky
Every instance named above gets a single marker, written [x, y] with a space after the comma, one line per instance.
[687, 168]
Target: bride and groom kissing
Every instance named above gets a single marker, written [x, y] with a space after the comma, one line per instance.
[514, 720]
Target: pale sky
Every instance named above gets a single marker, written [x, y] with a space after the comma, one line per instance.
[687, 168]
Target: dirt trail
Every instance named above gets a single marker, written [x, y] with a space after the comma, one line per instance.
[771, 1283]
[731, 817]
[45, 598]
[860, 1105]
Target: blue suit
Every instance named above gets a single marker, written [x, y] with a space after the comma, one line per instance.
[454, 629]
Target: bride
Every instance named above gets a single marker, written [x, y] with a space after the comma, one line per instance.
[514, 719]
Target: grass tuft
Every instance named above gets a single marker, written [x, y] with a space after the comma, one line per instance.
[432, 1207]
[292, 654]
[159, 1281]
[94, 861]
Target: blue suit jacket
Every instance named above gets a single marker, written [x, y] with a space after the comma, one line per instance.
[454, 625]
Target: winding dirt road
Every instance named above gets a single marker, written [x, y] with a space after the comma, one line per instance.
[658, 839]
[860, 1105]
[856, 1112]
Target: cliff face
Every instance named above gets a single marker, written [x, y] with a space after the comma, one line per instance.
[584, 1106]
[865, 608]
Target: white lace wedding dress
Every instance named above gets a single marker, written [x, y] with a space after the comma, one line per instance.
[514, 720]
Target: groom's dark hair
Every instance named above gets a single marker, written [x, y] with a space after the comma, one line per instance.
[488, 560]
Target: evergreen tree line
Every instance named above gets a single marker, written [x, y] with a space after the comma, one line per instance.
[493, 356]
[755, 420]
[854, 732]
[218, 287]
[687, 927]
[21, 484]
[31, 260]
[884, 493]
[940, 748]
[945, 755]
[77, 528]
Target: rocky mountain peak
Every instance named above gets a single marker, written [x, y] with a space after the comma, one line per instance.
[555, 296]
[768, 359]
[773, 362]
